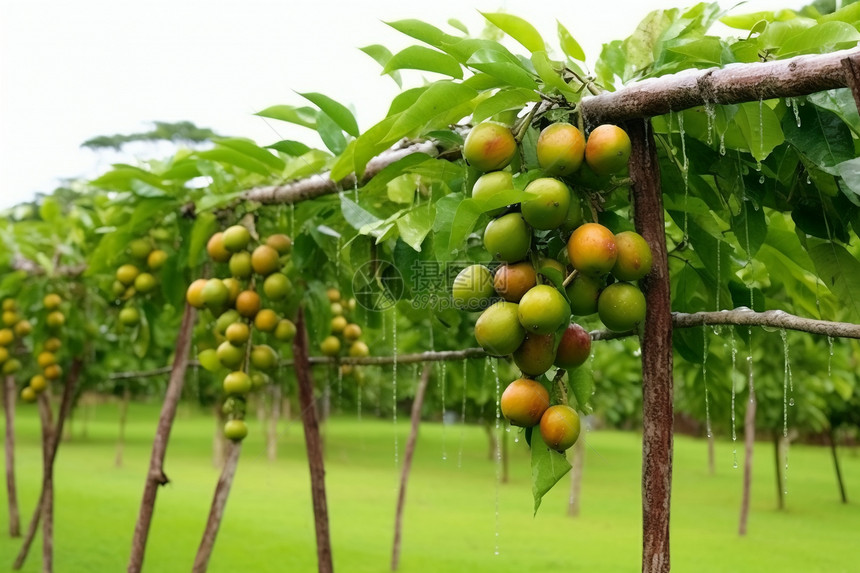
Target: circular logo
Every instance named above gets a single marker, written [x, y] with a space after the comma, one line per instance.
[377, 285]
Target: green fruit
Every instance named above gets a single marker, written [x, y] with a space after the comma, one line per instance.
[55, 319]
[118, 289]
[22, 328]
[607, 150]
[126, 274]
[285, 331]
[338, 323]
[634, 257]
[209, 360]
[583, 291]
[145, 283]
[491, 184]
[225, 320]
[4, 354]
[560, 427]
[264, 357]
[6, 336]
[543, 310]
[235, 430]
[277, 286]
[38, 383]
[560, 149]
[238, 333]
[574, 348]
[240, 264]
[472, 288]
[129, 316]
[336, 309]
[359, 349]
[11, 366]
[230, 356]
[258, 380]
[52, 301]
[508, 238]
[28, 394]
[523, 402]
[330, 346]
[352, 332]
[621, 307]
[234, 287]
[194, 294]
[591, 249]
[139, 248]
[236, 238]
[498, 330]
[281, 243]
[536, 354]
[573, 219]
[548, 207]
[215, 294]
[489, 146]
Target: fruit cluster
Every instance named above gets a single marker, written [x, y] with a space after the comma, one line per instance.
[131, 280]
[15, 327]
[49, 367]
[528, 301]
[236, 310]
[344, 335]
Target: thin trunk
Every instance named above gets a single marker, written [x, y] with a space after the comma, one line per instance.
[313, 443]
[494, 444]
[286, 409]
[219, 442]
[841, 483]
[123, 416]
[272, 434]
[505, 473]
[48, 478]
[9, 395]
[780, 486]
[47, 419]
[155, 476]
[260, 403]
[407, 462]
[712, 464]
[657, 415]
[216, 512]
[576, 471]
[749, 445]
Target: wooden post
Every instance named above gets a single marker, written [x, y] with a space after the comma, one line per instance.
[11, 490]
[780, 485]
[749, 448]
[843, 496]
[47, 419]
[216, 511]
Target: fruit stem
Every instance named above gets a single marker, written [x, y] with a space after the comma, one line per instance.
[525, 123]
[588, 84]
[570, 278]
[560, 385]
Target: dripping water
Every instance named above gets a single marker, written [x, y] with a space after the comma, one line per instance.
[732, 376]
[463, 414]
[685, 170]
[796, 110]
[760, 131]
[495, 364]
[293, 220]
[723, 143]
[442, 380]
[711, 113]
[829, 355]
[705, 379]
[786, 383]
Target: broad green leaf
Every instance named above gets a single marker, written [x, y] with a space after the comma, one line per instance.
[382, 54]
[331, 134]
[355, 215]
[551, 77]
[310, 163]
[290, 147]
[511, 74]
[849, 14]
[841, 102]
[249, 148]
[822, 137]
[750, 228]
[840, 272]
[304, 116]
[439, 98]
[518, 29]
[548, 467]
[454, 23]
[421, 58]
[345, 163]
[760, 127]
[504, 100]
[580, 380]
[49, 210]
[144, 189]
[470, 210]
[827, 37]
[233, 157]
[422, 31]
[213, 201]
[569, 45]
[642, 46]
[746, 21]
[708, 50]
[338, 112]
[416, 224]
[372, 142]
[850, 173]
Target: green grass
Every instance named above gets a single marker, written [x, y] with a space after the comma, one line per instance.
[450, 520]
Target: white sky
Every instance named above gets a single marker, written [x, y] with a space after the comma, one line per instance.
[73, 70]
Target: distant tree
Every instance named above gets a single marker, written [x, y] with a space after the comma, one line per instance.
[180, 131]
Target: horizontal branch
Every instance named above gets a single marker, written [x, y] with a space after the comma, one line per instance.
[772, 318]
[33, 268]
[735, 83]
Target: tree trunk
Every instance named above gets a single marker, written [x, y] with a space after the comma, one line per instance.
[494, 443]
[749, 445]
[47, 419]
[155, 476]
[313, 444]
[123, 416]
[9, 395]
[505, 464]
[274, 414]
[577, 469]
[407, 462]
[841, 483]
[712, 464]
[216, 512]
[48, 477]
[656, 344]
[780, 485]
[219, 442]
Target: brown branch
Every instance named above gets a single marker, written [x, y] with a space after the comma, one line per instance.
[147, 373]
[216, 512]
[33, 268]
[47, 419]
[9, 395]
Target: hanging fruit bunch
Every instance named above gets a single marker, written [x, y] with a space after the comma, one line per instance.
[15, 328]
[46, 357]
[137, 279]
[344, 338]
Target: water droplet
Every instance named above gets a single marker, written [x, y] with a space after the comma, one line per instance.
[761, 181]
[830, 356]
[791, 402]
[796, 111]
[711, 113]
[705, 380]
[463, 414]
[734, 348]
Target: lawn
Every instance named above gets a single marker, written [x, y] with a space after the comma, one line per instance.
[451, 521]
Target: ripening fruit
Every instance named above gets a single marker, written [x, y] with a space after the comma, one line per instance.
[543, 310]
[4, 354]
[582, 292]
[258, 380]
[237, 383]
[336, 309]
[215, 294]
[508, 238]
[194, 294]
[118, 289]
[6, 336]
[591, 249]
[228, 317]
[472, 288]
[237, 333]
[607, 149]
[45, 359]
[634, 257]
[236, 238]
[10, 318]
[240, 264]
[265, 260]
[52, 301]
[574, 347]
[536, 354]
[53, 344]
[156, 259]
[145, 283]
[359, 349]
[248, 303]
[277, 286]
[126, 274]
[139, 248]
[28, 394]
[266, 320]
[23, 328]
[55, 319]
[548, 207]
[264, 357]
[352, 332]
[621, 307]
[573, 219]
[498, 330]
[285, 331]
[11, 366]
[544, 264]
[216, 249]
[38, 383]
[560, 427]
[333, 295]
[280, 242]
[560, 149]
[230, 356]
[490, 184]
[523, 402]
[235, 430]
[512, 281]
[52, 372]
[489, 146]
[234, 287]
[129, 316]
[9, 304]
[209, 360]
[338, 323]
[330, 346]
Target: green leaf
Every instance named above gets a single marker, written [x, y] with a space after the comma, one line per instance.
[338, 112]
[822, 137]
[416, 225]
[421, 58]
[499, 65]
[290, 147]
[840, 272]
[355, 215]
[518, 29]
[49, 210]
[569, 45]
[580, 380]
[470, 210]
[422, 31]
[548, 467]
[850, 173]
[746, 21]
[439, 98]
[760, 127]
[820, 39]
[249, 148]
[504, 100]
[233, 157]
[551, 77]
[142, 336]
[304, 116]
[454, 23]
[331, 134]
[345, 163]
[750, 228]
[382, 54]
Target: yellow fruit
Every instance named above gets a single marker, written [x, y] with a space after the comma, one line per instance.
[52, 344]
[28, 394]
[285, 331]
[333, 295]
[264, 357]
[215, 294]
[634, 257]
[359, 349]
[52, 301]
[498, 330]
[194, 294]
[560, 149]
[489, 146]
[265, 260]
[139, 248]
[266, 320]
[10, 317]
[277, 286]
[338, 323]
[280, 242]
[523, 402]
[248, 303]
[9, 304]
[45, 359]
[472, 288]
[38, 383]
[352, 332]
[236, 238]
[215, 248]
[240, 264]
[607, 150]
[11, 366]
[548, 205]
[560, 427]
[230, 356]
[234, 287]
[591, 249]
[6, 336]
[52, 372]
[156, 259]
[145, 283]
[4, 354]
[126, 274]
[23, 328]
[129, 316]
[236, 383]
[238, 333]
[55, 319]
[543, 310]
[336, 309]
[330, 346]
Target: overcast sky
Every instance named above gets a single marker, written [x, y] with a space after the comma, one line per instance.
[73, 70]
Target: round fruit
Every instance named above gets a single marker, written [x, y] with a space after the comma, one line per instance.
[508, 238]
[583, 291]
[560, 427]
[265, 260]
[573, 219]
[236, 238]
[591, 249]
[10, 318]
[634, 257]
[55, 319]
[264, 357]
[346, 369]
[237, 333]
[621, 307]
[277, 286]
[543, 310]
[266, 320]
[8, 304]
[574, 347]
[489, 146]
[472, 288]
[333, 295]
[560, 149]
[228, 317]
[498, 330]
[234, 287]
[139, 248]
[236, 383]
[607, 149]
[330, 346]
[548, 206]
[118, 289]
[248, 303]
[129, 316]
[338, 323]
[11, 366]
[4, 354]
[52, 301]
[215, 294]
[38, 383]
[512, 281]
[45, 359]
[52, 344]
[523, 402]
[336, 309]
[209, 360]
[285, 331]
[230, 356]
[350, 304]
[536, 354]
[490, 184]
[352, 332]
[6, 336]
[156, 259]
[544, 264]
[280, 242]
[23, 328]
[52, 372]
[216, 249]
[235, 430]
[194, 294]
[126, 274]
[258, 380]
[28, 394]
[145, 283]
[240, 264]
[359, 349]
